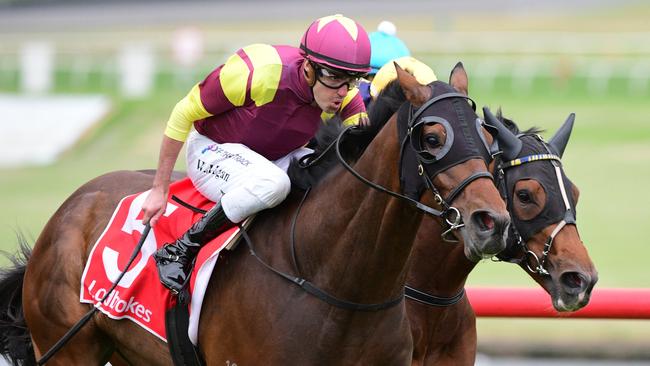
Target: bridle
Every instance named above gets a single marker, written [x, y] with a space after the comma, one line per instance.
[451, 215]
[569, 216]
[425, 161]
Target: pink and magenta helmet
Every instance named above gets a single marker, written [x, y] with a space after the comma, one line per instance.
[337, 42]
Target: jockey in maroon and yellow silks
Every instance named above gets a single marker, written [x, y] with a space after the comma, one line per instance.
[259, 91]
[253, 115]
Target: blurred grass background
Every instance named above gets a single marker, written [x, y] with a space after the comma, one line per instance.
[512, 62]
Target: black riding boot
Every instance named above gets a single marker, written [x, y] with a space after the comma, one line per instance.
[175, 261]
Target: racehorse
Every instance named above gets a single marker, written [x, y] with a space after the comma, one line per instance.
[543, 240]
[345, 234]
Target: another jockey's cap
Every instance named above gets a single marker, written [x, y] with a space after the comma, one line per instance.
[337, 42]
[422, 72]
[385, 46]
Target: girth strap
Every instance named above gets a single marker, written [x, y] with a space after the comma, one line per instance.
[432, 300]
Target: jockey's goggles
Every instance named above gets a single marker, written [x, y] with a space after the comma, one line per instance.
[334, 79]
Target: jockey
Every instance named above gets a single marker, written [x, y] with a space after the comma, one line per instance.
[385, 46]
[252, 115]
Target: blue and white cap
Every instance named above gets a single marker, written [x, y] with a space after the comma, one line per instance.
[385, 46]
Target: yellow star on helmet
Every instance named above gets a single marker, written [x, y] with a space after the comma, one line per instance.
[346, 22]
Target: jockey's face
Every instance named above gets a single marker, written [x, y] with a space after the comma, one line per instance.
[327, 98]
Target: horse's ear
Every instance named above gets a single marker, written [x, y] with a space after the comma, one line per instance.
[508, 142]
[559, 141]
[458, 79]
[415, 92]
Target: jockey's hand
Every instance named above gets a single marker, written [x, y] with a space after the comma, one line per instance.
[154, 206]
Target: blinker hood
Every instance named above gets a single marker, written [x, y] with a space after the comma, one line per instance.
[546, 173]
[464, 137]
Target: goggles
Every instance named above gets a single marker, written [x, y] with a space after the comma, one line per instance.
[334, 79]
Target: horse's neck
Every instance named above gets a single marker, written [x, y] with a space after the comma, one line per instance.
[437, 267]
[359, 239]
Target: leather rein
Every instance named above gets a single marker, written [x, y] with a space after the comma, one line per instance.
[450, 214]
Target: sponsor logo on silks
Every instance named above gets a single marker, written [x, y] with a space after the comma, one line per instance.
[226, 155]
[119, 305]
[212, 169]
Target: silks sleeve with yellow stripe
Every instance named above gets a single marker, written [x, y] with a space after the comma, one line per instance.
[188, 110]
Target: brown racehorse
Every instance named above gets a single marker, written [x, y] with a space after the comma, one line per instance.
[345, 241]
[446, 334]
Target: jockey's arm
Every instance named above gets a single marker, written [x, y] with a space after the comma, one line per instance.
[155, 204]
[188, 110]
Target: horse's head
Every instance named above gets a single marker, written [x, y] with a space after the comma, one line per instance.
[542, 202]
[445, 152]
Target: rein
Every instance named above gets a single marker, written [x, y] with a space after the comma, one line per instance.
[450, 214]
[306, 285]
[420, 206]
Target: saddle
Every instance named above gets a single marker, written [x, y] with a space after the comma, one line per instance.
[139, 296]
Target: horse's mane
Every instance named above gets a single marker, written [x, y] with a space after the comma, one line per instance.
[354, 143]
[386, 104]
[512, 126]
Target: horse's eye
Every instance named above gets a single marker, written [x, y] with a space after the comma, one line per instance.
[524, 196]
[432, 140]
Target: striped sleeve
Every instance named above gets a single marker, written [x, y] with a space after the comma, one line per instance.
[251, 75]
[352, 108]
[188, 110]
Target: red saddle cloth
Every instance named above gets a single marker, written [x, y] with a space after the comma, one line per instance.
[140, 296]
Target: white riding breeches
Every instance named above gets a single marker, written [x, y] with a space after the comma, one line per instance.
[244, 181]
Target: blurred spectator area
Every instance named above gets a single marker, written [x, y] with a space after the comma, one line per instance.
[111, 54]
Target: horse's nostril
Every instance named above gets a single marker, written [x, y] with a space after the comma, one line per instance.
[483, 220]
[573, 280]
[488, 221]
